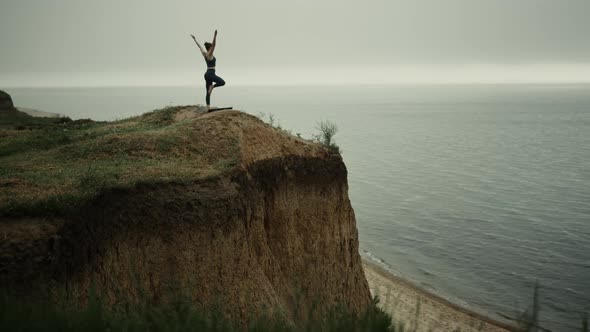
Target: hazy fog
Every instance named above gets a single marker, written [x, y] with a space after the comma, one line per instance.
[72, 42]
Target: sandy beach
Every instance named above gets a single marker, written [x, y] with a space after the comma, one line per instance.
[38, 114]
[422, 311]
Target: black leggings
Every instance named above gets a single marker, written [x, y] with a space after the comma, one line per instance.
[211, 78]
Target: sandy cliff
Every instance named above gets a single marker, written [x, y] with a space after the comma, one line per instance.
[263, 219]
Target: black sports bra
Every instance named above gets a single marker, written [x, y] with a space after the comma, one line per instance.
[210, 63]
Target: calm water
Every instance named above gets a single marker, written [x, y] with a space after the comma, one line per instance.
[472, 191]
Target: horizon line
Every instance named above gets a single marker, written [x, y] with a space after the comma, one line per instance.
[327, 84]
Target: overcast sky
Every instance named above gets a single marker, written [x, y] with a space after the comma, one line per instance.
[70, 42]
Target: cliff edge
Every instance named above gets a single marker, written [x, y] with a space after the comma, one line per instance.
[221, 205]
[6, 104]
[7, 110]
[12, 117]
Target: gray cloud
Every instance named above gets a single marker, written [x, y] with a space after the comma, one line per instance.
[64, 38]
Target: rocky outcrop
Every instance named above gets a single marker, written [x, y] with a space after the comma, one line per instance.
[7, 110]
[275, 232]
[7, 107]
[5, 102]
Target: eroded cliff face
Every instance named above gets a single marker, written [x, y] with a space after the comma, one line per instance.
[275, 233]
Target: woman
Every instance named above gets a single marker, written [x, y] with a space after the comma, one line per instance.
[210, 76]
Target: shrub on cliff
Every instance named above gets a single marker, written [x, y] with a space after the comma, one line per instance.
[326, 136]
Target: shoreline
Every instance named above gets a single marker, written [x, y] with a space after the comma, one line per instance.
[421, 310]
[38, 114]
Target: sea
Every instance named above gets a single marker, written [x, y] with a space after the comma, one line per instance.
[474, 192]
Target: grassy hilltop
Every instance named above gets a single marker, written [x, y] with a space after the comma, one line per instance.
[46, 170]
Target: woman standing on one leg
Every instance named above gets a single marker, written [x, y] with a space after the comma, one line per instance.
[210, 76]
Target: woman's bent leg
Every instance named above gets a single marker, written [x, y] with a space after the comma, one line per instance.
[211, 78]
[218, 81]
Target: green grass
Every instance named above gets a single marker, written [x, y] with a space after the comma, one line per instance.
[21, 121]
[45, 171]
[178, 314]
[48, 170]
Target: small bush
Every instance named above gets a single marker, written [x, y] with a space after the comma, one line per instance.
[326, 136]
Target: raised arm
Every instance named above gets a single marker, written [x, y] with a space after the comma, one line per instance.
[212, 48]
[199, 45]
